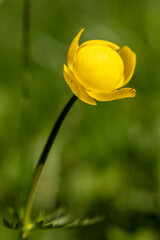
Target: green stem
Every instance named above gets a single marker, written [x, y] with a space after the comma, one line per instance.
[42, 160]
[25, 94]
[26, 32]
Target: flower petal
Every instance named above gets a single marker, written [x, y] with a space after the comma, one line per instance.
[129, 59]
[72, 49]
[100, 43]
[98, 68]
[76, 88]
[110, 96]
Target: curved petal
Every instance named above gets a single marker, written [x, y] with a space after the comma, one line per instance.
[129, 59]
[100, 43]
[117, 94]
[76, 88]
[72, 49]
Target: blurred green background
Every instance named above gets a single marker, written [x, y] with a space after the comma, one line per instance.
[106, 159]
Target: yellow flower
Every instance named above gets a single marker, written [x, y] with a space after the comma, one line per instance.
[97, 69]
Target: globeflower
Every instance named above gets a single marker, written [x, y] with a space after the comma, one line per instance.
[97, 70]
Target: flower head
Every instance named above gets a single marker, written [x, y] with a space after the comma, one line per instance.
[98, 70]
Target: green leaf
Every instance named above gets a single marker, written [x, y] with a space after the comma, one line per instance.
[12, 225]
[7, 223]
[84, 222]
[66, 222]
[56, 223]
[51, 216]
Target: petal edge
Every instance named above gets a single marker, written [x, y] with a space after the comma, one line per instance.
[129, 60]
[76, 88]
[117, 94]
[72, 49]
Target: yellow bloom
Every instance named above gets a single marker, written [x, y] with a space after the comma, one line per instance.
[97, 69]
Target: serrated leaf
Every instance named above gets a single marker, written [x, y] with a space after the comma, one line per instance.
[12, 225]
[7, 223]
[84, 223]
[50, 217]
[56, 223]
[66, 222]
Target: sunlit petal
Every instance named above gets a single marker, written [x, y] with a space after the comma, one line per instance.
[129, 60]
[76, 88]
[98, 68]
[117, 94]
[72, 49]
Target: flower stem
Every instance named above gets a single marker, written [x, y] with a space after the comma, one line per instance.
[42, 160]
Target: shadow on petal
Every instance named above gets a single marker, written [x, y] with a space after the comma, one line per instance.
[76, 88]
[117, 94]
[129, 60]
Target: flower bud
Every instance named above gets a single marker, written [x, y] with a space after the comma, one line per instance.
[98, 70]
